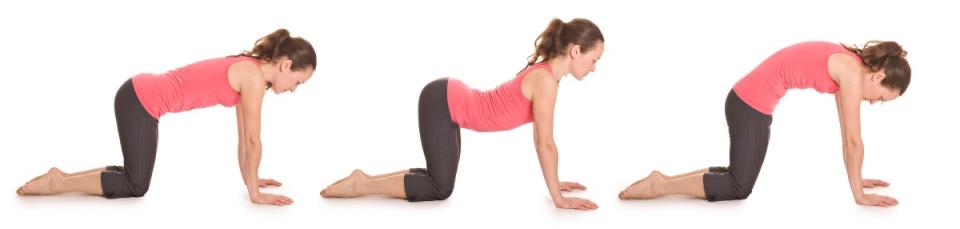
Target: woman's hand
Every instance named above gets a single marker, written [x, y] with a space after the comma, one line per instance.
[873, 183]
[575, 203]
[268, 182]
[570, 186]
[267, 198]
[877, 200]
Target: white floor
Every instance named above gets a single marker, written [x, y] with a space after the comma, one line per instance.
[655, 102]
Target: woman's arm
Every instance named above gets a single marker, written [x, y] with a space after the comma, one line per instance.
[544, 99]
[251, 100]
[241, 152]
[848, 99]
[240, 143]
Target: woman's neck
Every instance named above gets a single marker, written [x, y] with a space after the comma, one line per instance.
[560, 67]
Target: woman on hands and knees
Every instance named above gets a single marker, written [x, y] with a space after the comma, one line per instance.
[447, 105]
[277, 61]
[878, 72]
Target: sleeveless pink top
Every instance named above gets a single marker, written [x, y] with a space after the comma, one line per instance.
[798, 66]
[201, 84]
[502, 108]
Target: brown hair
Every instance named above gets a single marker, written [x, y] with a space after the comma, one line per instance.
[554, 40]
[279, 44]
[889, 57]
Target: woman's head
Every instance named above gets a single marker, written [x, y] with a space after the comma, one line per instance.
[888, 72]
[294, 58]
[580, 40]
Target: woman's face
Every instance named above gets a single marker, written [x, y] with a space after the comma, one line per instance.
[288, 80]
[874, 91]
[583, 63]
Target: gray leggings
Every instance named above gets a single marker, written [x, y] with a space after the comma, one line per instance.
[749, 134]
[138, 140]
[440, 139]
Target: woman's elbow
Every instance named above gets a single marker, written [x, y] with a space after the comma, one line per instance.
[852, 143]
[252, 143]
[545, 146]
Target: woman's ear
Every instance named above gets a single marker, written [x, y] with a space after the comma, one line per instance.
[879, 75]
[574, 51]
[285, 65]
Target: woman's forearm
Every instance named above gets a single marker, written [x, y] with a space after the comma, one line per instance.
[853, 160]
[241, 159]
[252, 152]
[547, 154]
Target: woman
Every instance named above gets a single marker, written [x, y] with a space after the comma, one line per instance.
[877, 72]
[277, 61]
[446, 105]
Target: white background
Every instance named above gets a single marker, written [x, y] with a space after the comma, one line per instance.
[655, 102]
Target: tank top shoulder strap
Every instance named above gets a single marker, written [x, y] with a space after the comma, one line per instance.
[525, 72]
[843, 50]
[244, 58]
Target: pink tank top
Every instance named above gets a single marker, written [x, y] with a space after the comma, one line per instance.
[802, 65]
[201, 84]
[502, 108]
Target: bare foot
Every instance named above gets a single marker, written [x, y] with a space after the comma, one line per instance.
[646, 188]
[58, 171]
[347, 187]
[365, 175]
[52, 170]
[41, 185]
[654, 173]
